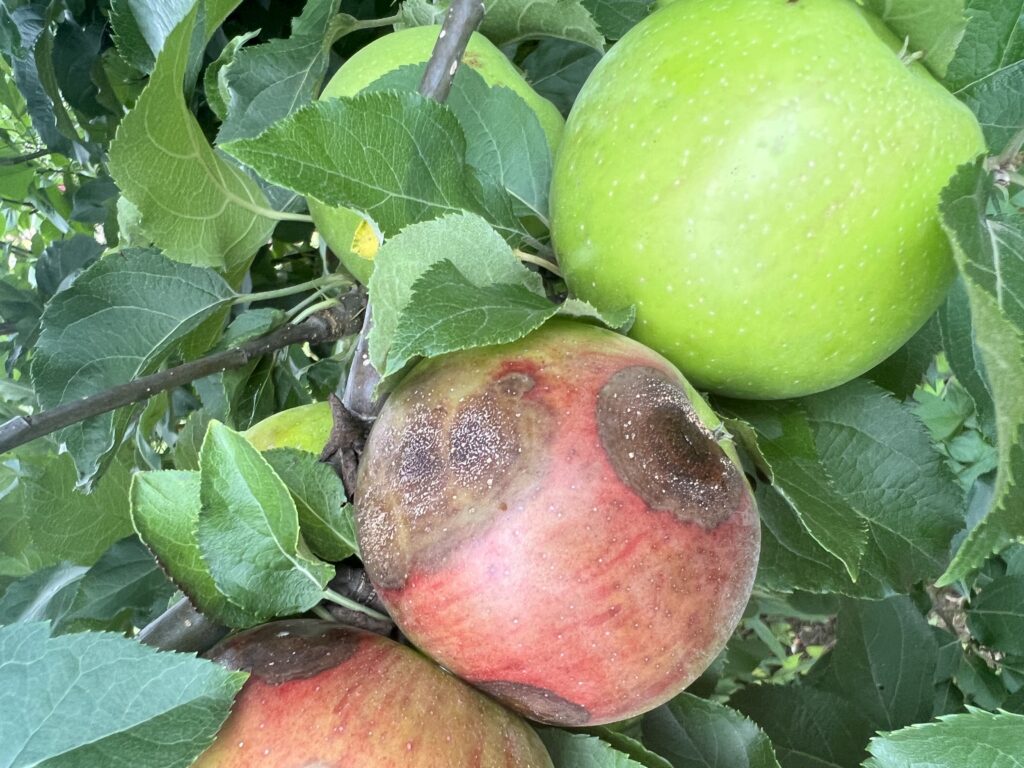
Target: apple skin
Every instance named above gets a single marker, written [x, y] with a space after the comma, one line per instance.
[325, 695]
[306, 427]
[553, 521]
[761, 179]
[337, 226]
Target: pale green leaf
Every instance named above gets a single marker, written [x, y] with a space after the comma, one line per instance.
[399, 158]
[578, 750]
[996, 615]
[465, 240]
[249, 530]
[195, 206]
[448, 312]
[319, 497]
[933, 27]
[973, 740]
[165, 510]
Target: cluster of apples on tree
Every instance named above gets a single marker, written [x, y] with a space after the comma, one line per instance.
[561, 521]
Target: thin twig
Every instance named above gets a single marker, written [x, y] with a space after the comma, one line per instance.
[463, 18]
[329, 325]
[18, 159]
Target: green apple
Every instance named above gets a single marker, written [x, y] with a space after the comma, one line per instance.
[761, 179]
[306, 427]
[557, 522]
[321, 695]
[339, 226]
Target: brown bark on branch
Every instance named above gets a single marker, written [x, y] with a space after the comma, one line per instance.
[328, 325]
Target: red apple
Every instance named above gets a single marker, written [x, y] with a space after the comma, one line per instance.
[325, 695]
[555, 521]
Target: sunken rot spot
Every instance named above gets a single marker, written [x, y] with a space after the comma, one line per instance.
[437, 472]
[537, 703]
[288, 650]
[661, 450]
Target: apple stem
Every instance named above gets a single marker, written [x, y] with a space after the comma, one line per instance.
[325, 304]
[1008, 158]
[334, 597]
[323, 613]
[387, 21]
[327, 281]
[530, 258]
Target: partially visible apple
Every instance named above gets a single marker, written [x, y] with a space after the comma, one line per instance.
[339, 226]
[327, 696]
[557, 522]
[761, 179]
[306, 427]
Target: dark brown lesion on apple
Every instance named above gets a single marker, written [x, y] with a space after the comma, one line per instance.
[289, 650]
[537, 703]
[441, 470]
[660, 449]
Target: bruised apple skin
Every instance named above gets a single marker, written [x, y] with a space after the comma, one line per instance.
[554, 521]
[327, 696]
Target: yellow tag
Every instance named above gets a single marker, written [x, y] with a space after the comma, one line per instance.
[365, 243]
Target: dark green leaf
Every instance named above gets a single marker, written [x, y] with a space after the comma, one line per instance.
[268, 82]
[696, 733]
[808, 727]
[62, 260]
[557, 70]
[617, 17]
[119, 321]
[93, 699]
[905, 369]
[990, 254]
[42, 596]
[996, 616]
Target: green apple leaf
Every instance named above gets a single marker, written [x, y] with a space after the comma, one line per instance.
[62, 260]
[973, 740]
[265, 83]
[959, 342]
[905, 369]
[44, 595]
[978, 682]
[696, 733]
[989, 65]
[214, 83]
[399, 158]
[249, 530]
[140, 32]
[787, 444]
[319, 496]
[557, 70]
[884, 661]
[504, 137]
[617, 17]
[989, 251]
[618, 319]
[44, 520]
[881, 465]
[996, 615]
[465, 240]
[65, 704]
[165, 510]
[448, 312]
[629, 746]
[123, 589]
[578, 750]
[934, 27]
[809, 728]
[195, 206]
[120, 320]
